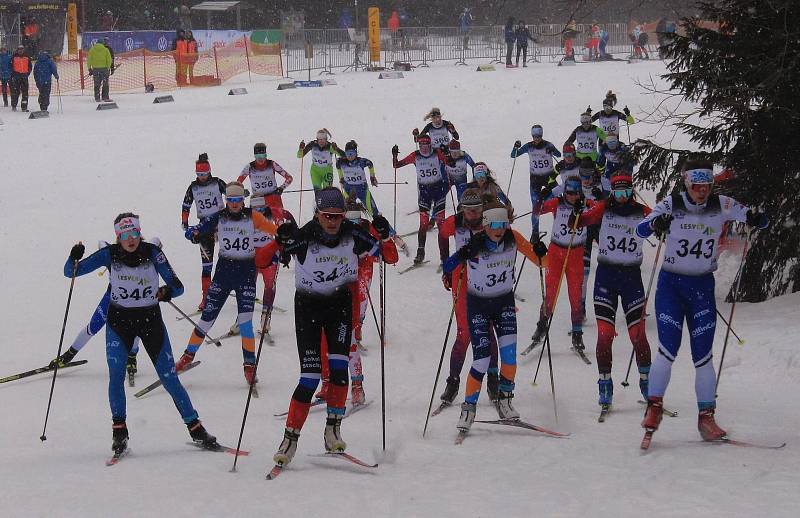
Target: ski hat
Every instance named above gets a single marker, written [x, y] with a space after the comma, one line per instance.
[435, 112]
[351, 145]
[330, 198]
[496, 213]
[259, 148]
[127, 224]
[608, 102]
[585, 118]
[698, 175]
[568, 148]
[202, 165]
[572, 185]
[622, 181]
[471, 198]
[234, 190]
[424, 139]
[537, 131]
[480, 170]
[454, 145]
[324, 134]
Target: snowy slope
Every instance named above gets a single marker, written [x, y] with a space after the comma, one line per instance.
[67, 177]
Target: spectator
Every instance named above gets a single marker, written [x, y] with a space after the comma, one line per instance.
[594, 43]
[191, 55]
[511, 37]
[394, 26]
[604, 36]
[5, 73]
[107, 43]
[567, 35]
[107, 22]
[20, 70]
[639, 39]
[31, 34]
[523, 35]
[99, 62]
[179, 52]
[43, 73]
[464, 25]
[345, 23]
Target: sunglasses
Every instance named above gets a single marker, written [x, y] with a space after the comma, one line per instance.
[203, 175]
[497, 225]
[235, 199]
[132, 234]
[620, 193]
[537, 134]
[569, 155]
[697, 187]
[351, 154]
[260, 156]
[332, 216]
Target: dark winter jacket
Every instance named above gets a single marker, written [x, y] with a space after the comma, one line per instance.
[5, 65]
[523, 35]
[44, 69]
[510, 33]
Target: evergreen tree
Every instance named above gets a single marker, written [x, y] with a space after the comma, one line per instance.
[742, 73]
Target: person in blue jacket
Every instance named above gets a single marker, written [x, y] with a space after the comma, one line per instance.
[44, 71]
[5, 73]
[510, 33]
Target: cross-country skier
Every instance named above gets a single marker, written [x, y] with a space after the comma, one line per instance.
[439, 130]
[263, 181]
[619, 276]
[489, 257]
[685, 289]
[608, 118]
[586, 137]
[461, 227]
[432, 188]
[455, 166]
[134, 268]
[611, 155]
[237, 230]
[323, 157]
[486, 184]
[353, 177]
[541, 154]
[326, 252]
[206, 193]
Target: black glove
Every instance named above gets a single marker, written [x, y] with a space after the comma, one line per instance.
[77, 252]
[447, 280]
[415, 132]
[546, 191]
[246, 193]
[184, 226]
[597, 192]
[517, 144]
[589, 109]
[540, 249]
[577, 207]
[279, 190]
[444, 149]
[660, 224]
[757, 219]
[302, 145]
[626, 111]
[164, 293]
[395, 150]
[453, 132]
[290, 238]
[473, 247]
[381, 224]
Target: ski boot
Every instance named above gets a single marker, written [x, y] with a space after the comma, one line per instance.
[333, 437]
[644, 375]
[467, 416]
[420, 255]
[64, 359]
[505, 410]
[130, 365]
[357, 396]
[201, 436]
[250, 373]
[450, 390]
[492, 386]
[709, 430]
[234, 329]
[322, 393]
[184, 361]
[577, 341]
[606, 388]
[119, 434]
[539, 334]
[288, 447]
[654, 413]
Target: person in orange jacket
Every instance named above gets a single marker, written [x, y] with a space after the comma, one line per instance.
[191, 55]
[20, 70]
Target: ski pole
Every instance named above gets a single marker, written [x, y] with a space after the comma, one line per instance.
[393, 183]
[394, 222]
[719, 314]
[375, 316]
[215, 341]
[644, 305]
[549, 358]
[511, 176]
[60, 345]
[444, 348]
[302, 177]
[58, 89]
[383, 356]
[730, 317]
[522, 215]
[298, 190]
[628, 126]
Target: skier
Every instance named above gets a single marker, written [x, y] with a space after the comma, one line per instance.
[489, 257]
[619, 276]
[685, 288]
[432, 188]
[261, 172]
[206, 194]
[237, 232]
[353, 178]
[612, 154]
[562, 239]
[608, 118]
[455, 166]
[487, 186]
[326, 252]
[586, 136]
[134, 268]
[541, 155]
[323, 156]
[439, 130]
[461, 227]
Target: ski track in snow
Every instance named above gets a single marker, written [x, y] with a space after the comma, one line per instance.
[69, 176]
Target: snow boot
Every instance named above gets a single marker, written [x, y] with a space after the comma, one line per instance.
[119, 434]
[420, 255]
[322, 393]
[450, 390]
[288, 447]
[333, 437]
[357, 396]
[653, 413]
[504, 407]
[709, 430]
[606, 388]
[467, 416]
[201, 436]
[492, 386]
[577, 341]
[250, 373]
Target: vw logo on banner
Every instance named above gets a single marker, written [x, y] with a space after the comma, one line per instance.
[162, 44]
[129, 44]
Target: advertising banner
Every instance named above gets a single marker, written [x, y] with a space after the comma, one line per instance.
[374, 21]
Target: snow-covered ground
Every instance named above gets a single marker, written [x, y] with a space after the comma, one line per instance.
[67, 177]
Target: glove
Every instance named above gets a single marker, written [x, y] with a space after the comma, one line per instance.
[381, 224]
[279, 190]
[91, 71]
[184, 226]
[373, 181]
[517, 144]
[64, 359]
[444, 149]
[453, 132]
[540, 249]
[472, 248]
[191, 234]
[415, 133]
[626, 111]
[395, 150]
[302, 145]
[77, 252]
[246, 192]
[757, 219]
[290, 238]
[589, 109]
[184, 361]
[546, 191]
[578, 206]
[597, 193]
[447, 280]
[334, 146]
[660, 224]
[164, 293]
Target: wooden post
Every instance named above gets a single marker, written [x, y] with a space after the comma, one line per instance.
[247, 56]
[83, 77]
[216, 64]
[144, 66]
